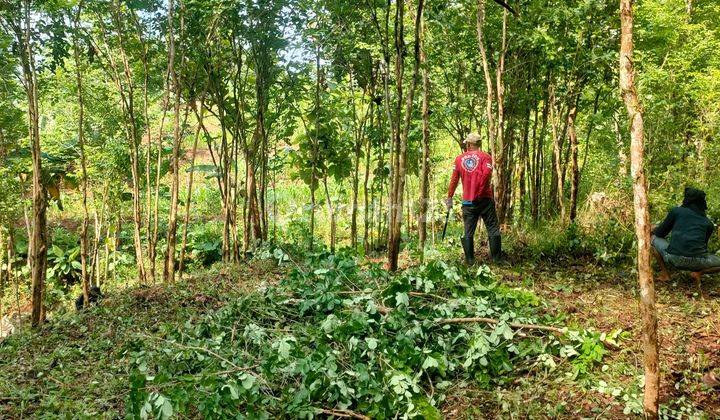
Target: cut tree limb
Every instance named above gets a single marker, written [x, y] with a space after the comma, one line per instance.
[497, 321]
[342, 413]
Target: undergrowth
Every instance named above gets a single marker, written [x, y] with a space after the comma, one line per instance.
[334, 338]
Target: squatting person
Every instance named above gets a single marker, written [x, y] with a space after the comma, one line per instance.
[689, 231]
[474, 168]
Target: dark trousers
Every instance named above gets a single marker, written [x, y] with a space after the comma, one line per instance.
[485, 208]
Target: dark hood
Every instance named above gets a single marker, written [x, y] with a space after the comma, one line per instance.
[694, 199]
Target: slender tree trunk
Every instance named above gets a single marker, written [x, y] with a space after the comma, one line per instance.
[98, 222]
[401, 138]
[10, 252]
[588, 135]
[556, 188]
[262, 205]
[642, 219]
[425, 164]
[535, 171]
[331, 214]
[255, 229]
[3, 254]
[491, 129]
[188, 200]
[148, 160]
[574, 169]
[500, 165]
[28, 232]
[395, 213]
[315, 149]
[409, 210]
[126, 92]
[171, 239]
[524, 165]
[381, 183]
[83, 163]
[148, 139]
[368, 150]
[38, 241]
[356, 173]
[540, 156]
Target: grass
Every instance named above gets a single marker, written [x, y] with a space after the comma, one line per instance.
[78, 365]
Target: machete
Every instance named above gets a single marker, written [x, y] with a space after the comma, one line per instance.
[507, 6]
[447, 216]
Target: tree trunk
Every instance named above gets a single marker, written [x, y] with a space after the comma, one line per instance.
[556, 187]
[357, 132]
[368, 150]
[38, 241]
[524, 165]
[83, 163]
[401, 138]
[126, 92]
[28, 232]
[425, 164]
[10, 256]
[535, 171]
[171, 238]
[488, 86]
[574, 169]
[254, 229]
[188, 200]
[642, 219]
[3, 253]
[331, 214]
[148, 138]
[315, 149]
[501, 161]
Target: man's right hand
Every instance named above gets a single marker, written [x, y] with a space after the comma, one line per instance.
[448, 203]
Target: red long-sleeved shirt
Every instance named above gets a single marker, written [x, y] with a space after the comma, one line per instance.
[474, 167]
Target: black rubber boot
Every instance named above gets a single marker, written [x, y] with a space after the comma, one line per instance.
[495, 248]
[469, 248]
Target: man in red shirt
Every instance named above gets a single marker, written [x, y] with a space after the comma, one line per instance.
[474, 168]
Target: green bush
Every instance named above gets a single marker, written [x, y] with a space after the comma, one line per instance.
[607, 242]
[204, 246]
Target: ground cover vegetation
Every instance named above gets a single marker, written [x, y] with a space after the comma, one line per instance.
[245, 200]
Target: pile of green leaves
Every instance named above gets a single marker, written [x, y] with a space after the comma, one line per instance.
[335, 336]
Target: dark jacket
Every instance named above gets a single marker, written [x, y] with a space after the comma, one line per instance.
[690, 228]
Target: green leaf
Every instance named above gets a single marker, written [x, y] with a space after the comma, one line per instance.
[233, 391]
[430, 362]
[401, 298]
[57, 251]
[371, 343]
[167, 410]
[506, 331]
[248, 382]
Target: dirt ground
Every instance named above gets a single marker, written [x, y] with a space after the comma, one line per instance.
[606, 299]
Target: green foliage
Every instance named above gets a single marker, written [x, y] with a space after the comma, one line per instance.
[334, 335]
[609, 242]
[64, 266]
[204, 244]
